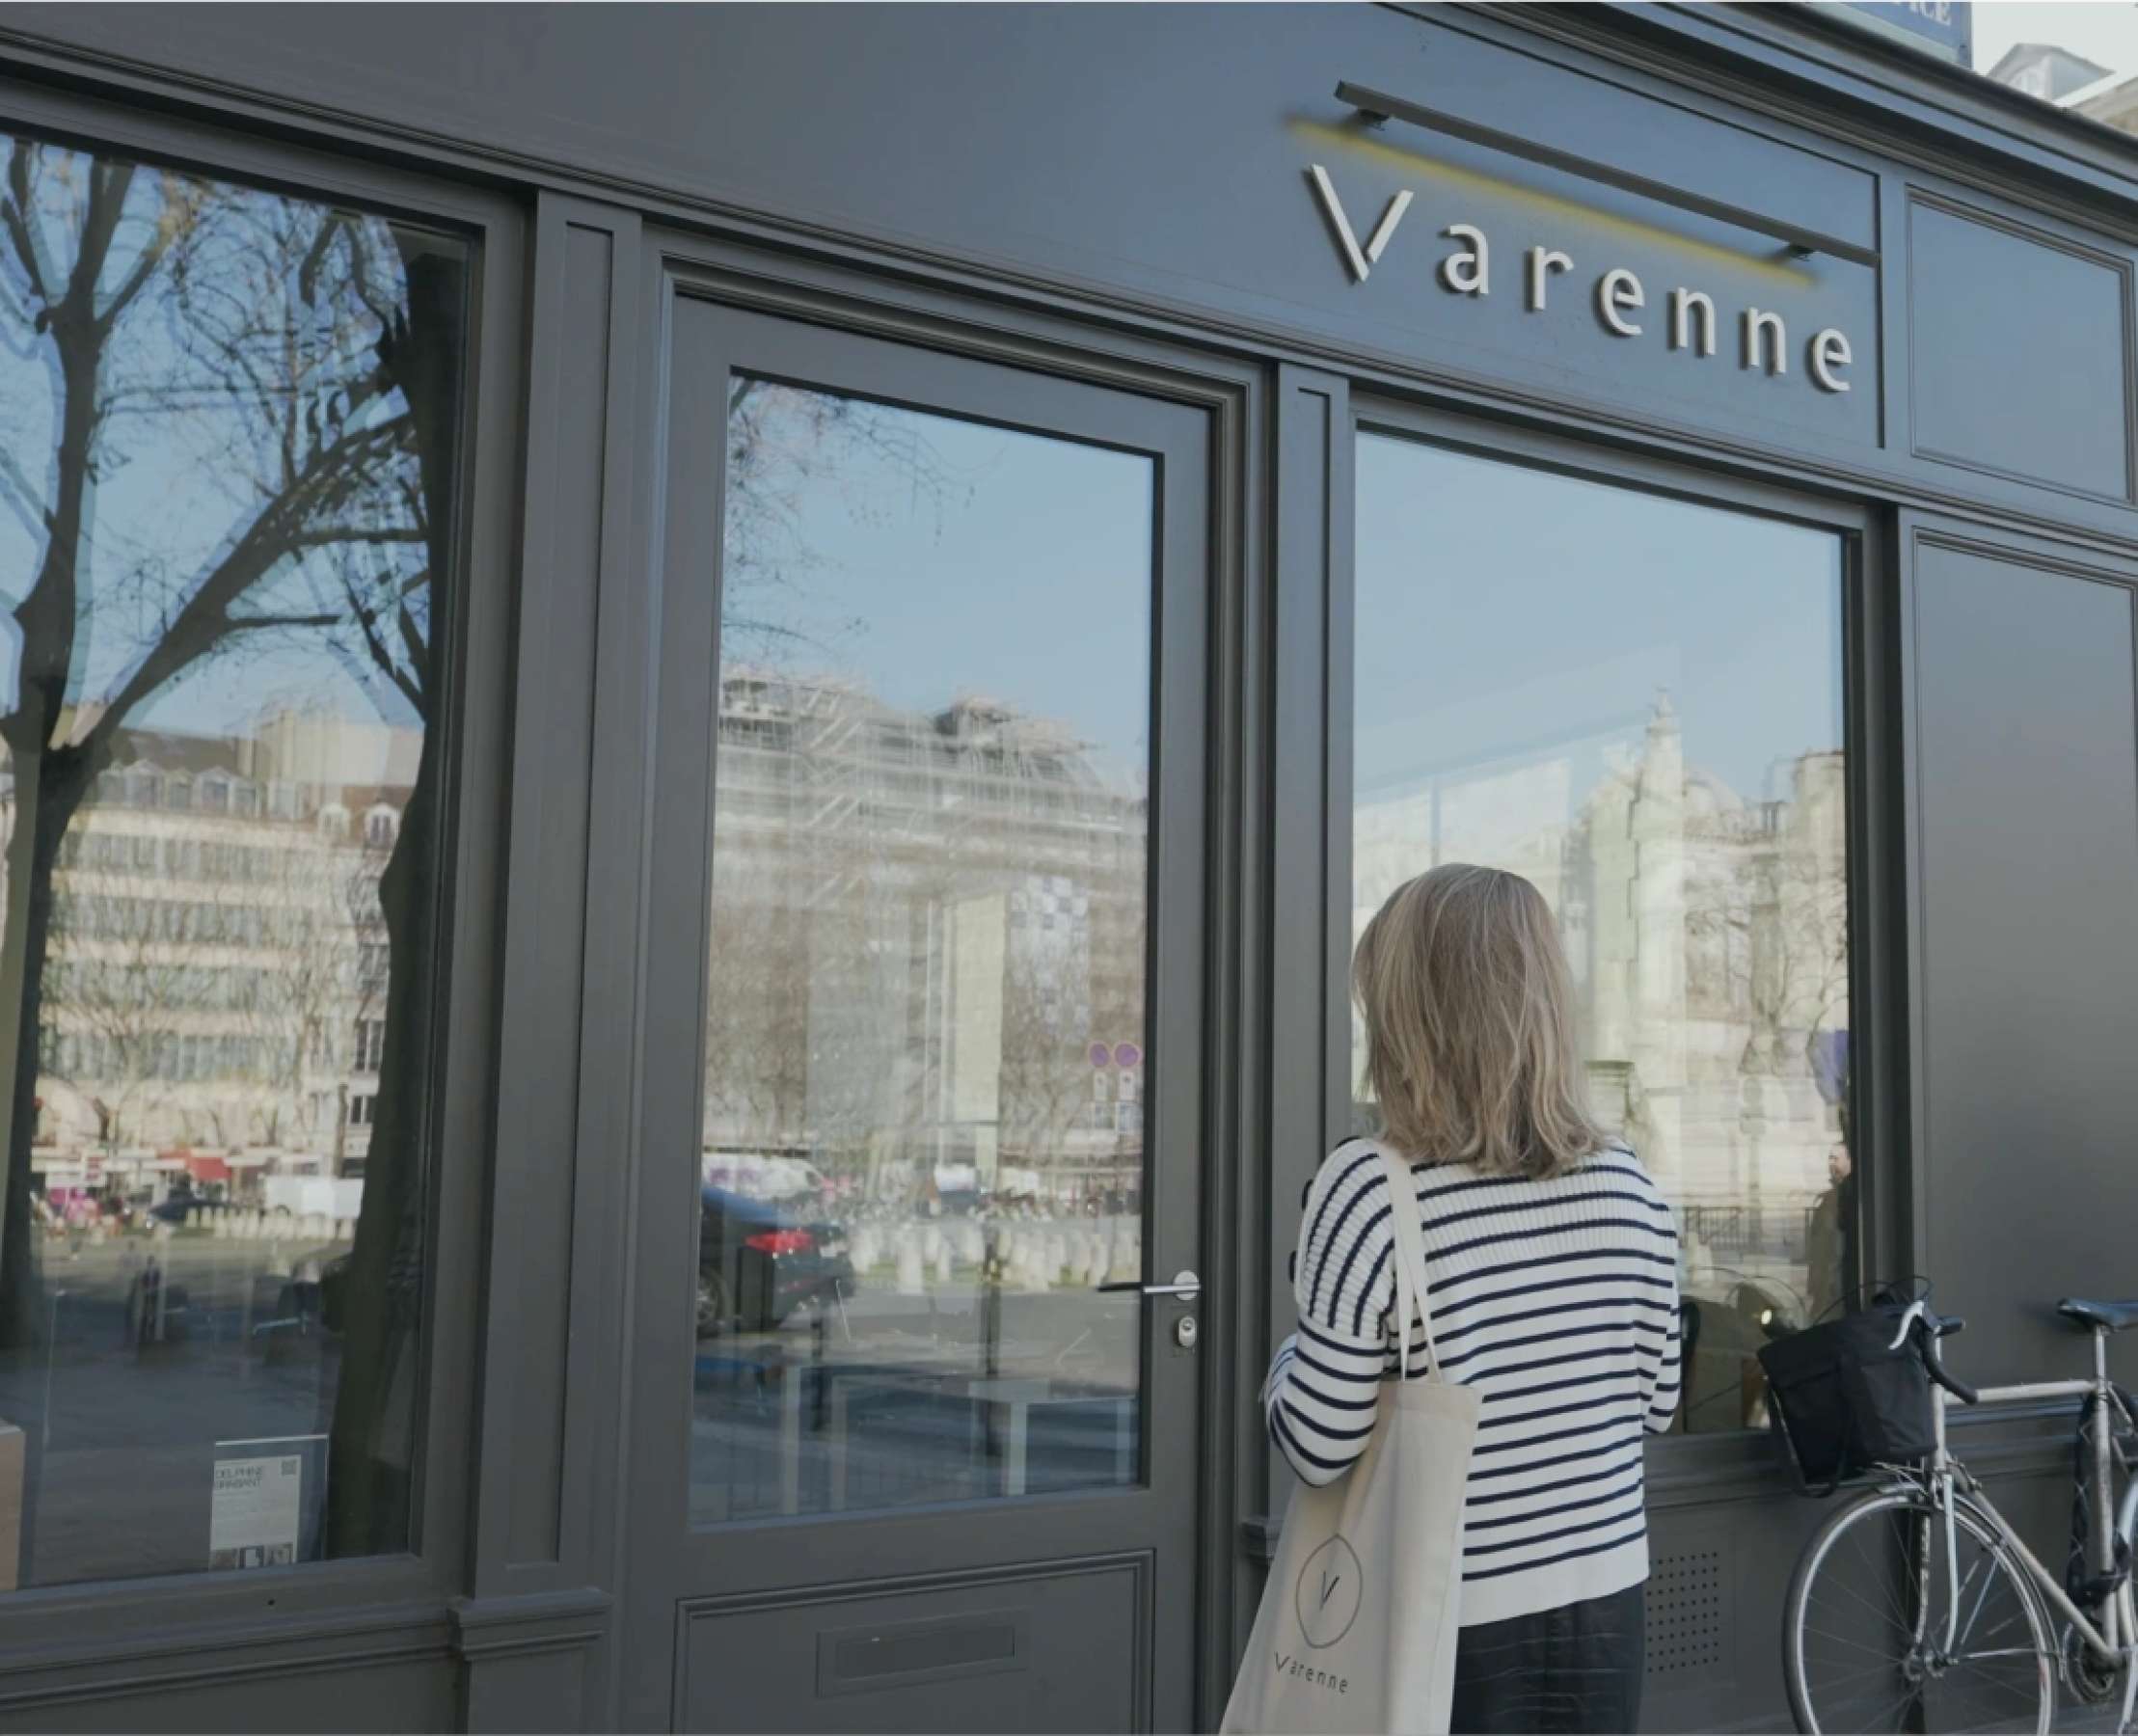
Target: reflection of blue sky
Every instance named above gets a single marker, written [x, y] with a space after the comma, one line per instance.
[1018, 568]
[181, 464]
[1507, 615]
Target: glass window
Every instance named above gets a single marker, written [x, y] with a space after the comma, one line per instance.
[228, 427]
[918, 968]
[1637, 703]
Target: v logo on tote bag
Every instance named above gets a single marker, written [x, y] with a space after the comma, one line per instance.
[1357, 1624]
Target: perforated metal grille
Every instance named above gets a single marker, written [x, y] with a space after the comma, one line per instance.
[1685, 1613]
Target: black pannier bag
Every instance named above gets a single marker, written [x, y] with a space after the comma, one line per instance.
[1843, 1401]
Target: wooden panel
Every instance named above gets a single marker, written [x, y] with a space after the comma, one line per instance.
[2020, 352]
[1059, 1647]
[2026, 934]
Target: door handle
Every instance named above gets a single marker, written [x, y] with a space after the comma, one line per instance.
[1185, 1285]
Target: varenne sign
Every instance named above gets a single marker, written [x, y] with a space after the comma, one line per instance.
[1686, 319]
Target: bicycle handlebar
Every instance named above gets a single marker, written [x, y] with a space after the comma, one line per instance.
[1927, 1329]
[1952, 1383]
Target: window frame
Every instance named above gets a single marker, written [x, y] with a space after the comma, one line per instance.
[123, 1632]
[1735, 1463]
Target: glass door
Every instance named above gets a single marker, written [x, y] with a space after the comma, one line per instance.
[917, 1309]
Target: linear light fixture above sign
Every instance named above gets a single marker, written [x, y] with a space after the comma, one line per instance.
[1377, 106]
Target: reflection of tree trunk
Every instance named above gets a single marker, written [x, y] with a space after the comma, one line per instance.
[372, 1439]
[41, 815]
[45, 619]
[367, 1473]
[45, 802]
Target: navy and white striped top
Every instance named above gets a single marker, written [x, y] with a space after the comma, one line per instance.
[1558, 1300]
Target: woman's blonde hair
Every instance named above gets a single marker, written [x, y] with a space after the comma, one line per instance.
[1469, 1042]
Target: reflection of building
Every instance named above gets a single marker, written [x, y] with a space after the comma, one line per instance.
[921, 923]
[1707, 938]
[215, 978]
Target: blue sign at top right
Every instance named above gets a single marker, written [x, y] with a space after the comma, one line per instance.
[1944, 28]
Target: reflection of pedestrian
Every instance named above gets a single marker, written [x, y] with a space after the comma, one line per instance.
[151, 1301]
[129, 1268]
[303, 1289]
[1829, 1250]
[145, 1305]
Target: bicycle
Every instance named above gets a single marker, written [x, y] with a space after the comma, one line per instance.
[1918, 1606]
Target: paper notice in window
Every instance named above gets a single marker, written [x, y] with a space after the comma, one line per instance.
[258, 1511]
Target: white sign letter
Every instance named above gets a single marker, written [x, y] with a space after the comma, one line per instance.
[1617, 289]
[1469, 272]
[1766, 341]
[1682, 303]
[1542, 260]
[1360, 260]
[1829, 350]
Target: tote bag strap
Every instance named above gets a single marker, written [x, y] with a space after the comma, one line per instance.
[1410, 1264]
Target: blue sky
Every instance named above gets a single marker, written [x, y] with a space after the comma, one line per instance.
[176, 482]
[1501, 609]
[1023, 572]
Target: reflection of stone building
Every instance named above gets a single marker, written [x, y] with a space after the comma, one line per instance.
[216, 973]
[1707, 938]
[922, 921]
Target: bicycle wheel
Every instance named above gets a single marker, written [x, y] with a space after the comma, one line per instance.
[1865, 1633]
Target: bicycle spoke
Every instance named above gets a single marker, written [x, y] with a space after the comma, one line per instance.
[1960, 1597]
[1900, 1627]
[1891, 1584]
[1876, 1651]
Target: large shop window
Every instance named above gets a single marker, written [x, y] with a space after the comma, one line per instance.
[227, 456]
[1637, 703]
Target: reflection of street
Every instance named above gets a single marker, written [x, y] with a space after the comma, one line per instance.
[901, 1400]
[123, 1462]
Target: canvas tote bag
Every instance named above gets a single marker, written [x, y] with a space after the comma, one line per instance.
[1357, 1624]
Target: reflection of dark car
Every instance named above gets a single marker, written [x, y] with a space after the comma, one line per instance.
[1724, 1388]
[176, 1209]
[761, 1259]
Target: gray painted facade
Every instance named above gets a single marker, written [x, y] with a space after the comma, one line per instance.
[1100, 222]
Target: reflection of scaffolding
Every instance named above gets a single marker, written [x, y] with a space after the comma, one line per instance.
[863, 778]
[905, 847]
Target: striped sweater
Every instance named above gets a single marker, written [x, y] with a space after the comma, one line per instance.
[1558, 1300]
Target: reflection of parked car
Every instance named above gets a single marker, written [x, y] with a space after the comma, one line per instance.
[1723, 1385]
[180, 1206]
[759, 1261]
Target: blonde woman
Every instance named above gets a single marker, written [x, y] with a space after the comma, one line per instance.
[1552, 1272]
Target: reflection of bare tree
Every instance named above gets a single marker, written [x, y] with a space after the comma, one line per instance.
[757, 1021]
[299, 1011]
[1045, 1077]
[1766, 927]
[782, 439]
[308, 361]
[127, 973]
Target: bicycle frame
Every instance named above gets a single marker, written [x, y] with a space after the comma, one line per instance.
[2115, 1640]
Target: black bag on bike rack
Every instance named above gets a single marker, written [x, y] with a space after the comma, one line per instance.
[1843, 1401]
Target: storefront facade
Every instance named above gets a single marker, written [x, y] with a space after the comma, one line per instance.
[705, 700]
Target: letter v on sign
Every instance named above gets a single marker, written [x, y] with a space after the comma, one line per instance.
[1359, 262]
